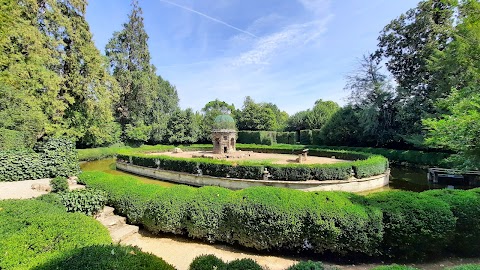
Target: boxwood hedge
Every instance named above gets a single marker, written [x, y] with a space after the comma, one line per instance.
[389, 224]
[364, 165]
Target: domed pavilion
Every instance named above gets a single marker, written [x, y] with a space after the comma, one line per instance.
[224, 135]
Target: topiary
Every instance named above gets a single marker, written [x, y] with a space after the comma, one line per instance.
[243, 264]
[59, 184]
[207, 262]
[307, 265]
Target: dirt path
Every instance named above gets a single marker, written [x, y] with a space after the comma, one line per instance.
[180, 252]
[21, 189]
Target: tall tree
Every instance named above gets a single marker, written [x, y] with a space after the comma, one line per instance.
[50, 60]
[321, 113]
[144, 97]
[211, 110]
[407, 43]
[182, 127]
[374, 101]
[458, 128]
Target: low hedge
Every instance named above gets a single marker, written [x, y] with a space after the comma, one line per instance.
[33, 232]
[106, 257]
[366, 165]
[55, 157]
[389, 224]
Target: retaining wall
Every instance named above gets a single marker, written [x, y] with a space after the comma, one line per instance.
[353, 185]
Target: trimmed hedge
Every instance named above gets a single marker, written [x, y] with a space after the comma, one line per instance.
[306, 137]
[88, 201]
[366, 165]
[388, 224]
[287, 137]
[281, 218]
[55, 157]
[33, 232]
[207, 262]
[307, 265]
[415, 225]
[106, 257]
[466, 209]
[317, 137]
[257, 137]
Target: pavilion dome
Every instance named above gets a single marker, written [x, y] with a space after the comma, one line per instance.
[224, 121]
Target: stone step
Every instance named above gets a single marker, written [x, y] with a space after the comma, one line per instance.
[112, 221]
[106, 212]
[123, 232]
[132, 240]
[76, 186]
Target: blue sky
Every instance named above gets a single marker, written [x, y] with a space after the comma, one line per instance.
[288, 52]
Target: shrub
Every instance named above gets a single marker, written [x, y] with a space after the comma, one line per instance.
[55, 157]
[415, 225]
[307, 265]
[466, 209]
[33, 232]
[106, 257]
[207, 262]
[59, 184]
[317, 138]
[286, 137]
[53, 199]
[375, 165]
[257, 137]
[306, 137]
[88, 201]
[243, 264]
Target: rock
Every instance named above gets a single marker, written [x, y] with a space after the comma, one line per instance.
[42, 187]
[177, 150]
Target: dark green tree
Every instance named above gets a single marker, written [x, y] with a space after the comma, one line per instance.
[320, 114]
[407, 43]
[145, 100]
[254, 116]
[183, 127]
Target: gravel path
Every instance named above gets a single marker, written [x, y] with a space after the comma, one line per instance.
[21, 189]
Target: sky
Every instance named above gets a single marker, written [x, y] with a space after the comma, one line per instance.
[288, 52]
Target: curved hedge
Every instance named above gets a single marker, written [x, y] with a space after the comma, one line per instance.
[364, 165]
[33, 232]
[389, 224]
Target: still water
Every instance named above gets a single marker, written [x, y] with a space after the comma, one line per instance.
[401, 178]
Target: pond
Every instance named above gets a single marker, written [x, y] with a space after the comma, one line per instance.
[402, 178]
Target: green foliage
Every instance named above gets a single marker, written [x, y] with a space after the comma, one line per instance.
[286, 137]
[343, 128]
[306, 265]
[415, 225]
[88, 201]
[257, 137]
[306, 137]
[182, 127]
[59, 156]
[255, 116]
[18, 166]
[366, 165]
[207, 262]
[317, 137]
[106, 257]
[53, 199]
[320, 114]
[11, 140]
[465, 206]
[34, 232]
[243, 264]
[59, 184]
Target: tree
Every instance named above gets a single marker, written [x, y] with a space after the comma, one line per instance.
[374, 100]
[320, 114]
[254, 116]
[146, 100]
[459, 128]
[182, 127]
[343, 128]
[50, 62]
[407, 43]
[298, 121]
[210, 111]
